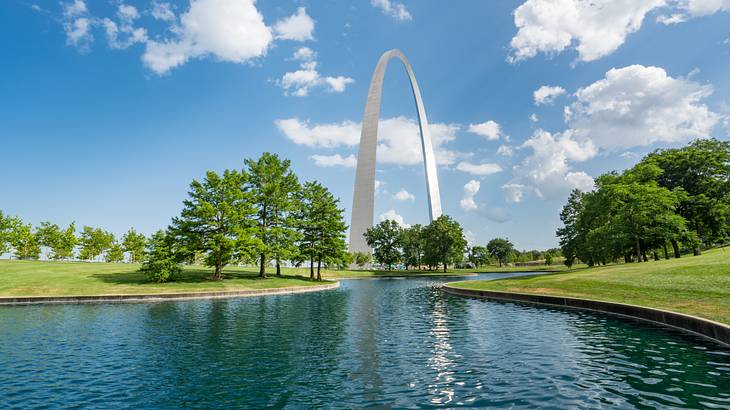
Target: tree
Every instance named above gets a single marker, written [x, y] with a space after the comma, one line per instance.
[478, 255]
[6, 225]
[161, 262]
[444, 241]
[385, 240]
[500, 249]
[61, 242]
[412, 243]
[94, 242]
[274, 190]
[134, 244]
[115, 253]
[24, 241]
[361, 258]
[215, 220]
[548, 258]
[321, 228]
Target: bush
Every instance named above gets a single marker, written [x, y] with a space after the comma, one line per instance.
[160, 263]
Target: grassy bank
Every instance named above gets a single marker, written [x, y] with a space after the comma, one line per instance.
[695, 285]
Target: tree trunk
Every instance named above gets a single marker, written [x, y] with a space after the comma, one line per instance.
[262, 266]
[627, 258]
[319, 266]
[311, 267]
[666, 251]
[444, 267]
[278, 267]
[638, 250]
[675, 246]
[643, 255]
[656, 256]
[697, 251]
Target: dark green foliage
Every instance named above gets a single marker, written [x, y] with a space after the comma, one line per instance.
[385, 240]
[361, 258]
[500, 249]
[412, 242]
[161, 262]
[444, 242]
[478, 255]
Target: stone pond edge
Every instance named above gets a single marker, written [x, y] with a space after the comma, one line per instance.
[716, 331]
[161, 297]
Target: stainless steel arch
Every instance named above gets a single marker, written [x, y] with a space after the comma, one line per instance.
[364, 196]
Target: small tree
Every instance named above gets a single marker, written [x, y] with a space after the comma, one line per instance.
[214, 220]
[115, 253]
[6, 225]
[385, 240]
[94, 242]
[412, 243]
[479, 256]
[361, 258]
[500, 249]
[134, 243]
[24, 241]
[548, 258]
[61, 242]
[161, 262]
[444, 241]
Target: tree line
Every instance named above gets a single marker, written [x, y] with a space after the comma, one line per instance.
[261, 214]
[64, 243]
[673, 198]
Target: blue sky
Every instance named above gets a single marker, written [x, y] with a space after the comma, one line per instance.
[109, 109]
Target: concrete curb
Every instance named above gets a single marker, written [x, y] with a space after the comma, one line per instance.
[161, 297]
[719, 332]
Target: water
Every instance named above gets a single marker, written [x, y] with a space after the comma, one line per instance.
[383, 343]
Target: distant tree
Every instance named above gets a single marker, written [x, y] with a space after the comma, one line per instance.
[134, 244]
[115, 253]
[548, 258]
[444, 241]
[214, 220]
[94, 242]
[412, 244]
[500, 249]
[361, 258]
[6, 225]
[161, 262]
[569, 234]
[385, 240]
[274, 188]
[61, 242]
[24, 241]
[478, 255]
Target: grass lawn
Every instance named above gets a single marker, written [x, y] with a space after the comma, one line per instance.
[695, 285]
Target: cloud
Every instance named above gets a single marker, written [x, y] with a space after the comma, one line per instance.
[533, 117]
[399, 141]
[468, 204]
[404, 195]
[298, 27]
[694, 8]
[479, 169]
[392, 215]
[594, 28]
[229, 30]
[393, 9]
[335, 160]
[546, 172]
[378, 185]
[547, 94]
[637, 106]
[471, 188]
[162, 11]
[299, 83]
[489, 130]
[505, 150]
[77, 24]
[129, 33]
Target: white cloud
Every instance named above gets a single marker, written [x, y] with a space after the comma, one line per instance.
[298, 27]
[393, 9]
[533, 117]
[346, 133]
[392, 215]
[637, 106]
[335, 160]
[594, 28]
[479, 169]
[694, 8]
[404, 195]
[471, 188]
[129, 33]
[77, 24]
[162, 11]
[230, 30]
[399, 141]
[489, 130]
[547, 94]
[299, 83]
[378, 185]
[505, 150]
[547, 172]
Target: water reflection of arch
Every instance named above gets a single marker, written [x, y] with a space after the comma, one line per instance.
[364, 194]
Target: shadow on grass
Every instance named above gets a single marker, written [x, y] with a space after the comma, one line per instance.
[191, 275]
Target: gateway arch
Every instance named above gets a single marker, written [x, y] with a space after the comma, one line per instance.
[364, 196]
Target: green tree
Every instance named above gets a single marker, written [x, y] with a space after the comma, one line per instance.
[115, 253]
[134, 244]
[412, 244]
[385, 240]
[478, 255]
[443, 241]
[548, 258]
[500, 249]
[94, 242]
[24, 241]
[6, 228]
[215, 220]
[61, 242]
[361, 258]
[161, 262]
[275, 191]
